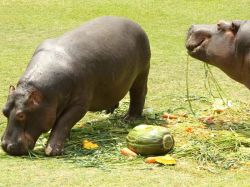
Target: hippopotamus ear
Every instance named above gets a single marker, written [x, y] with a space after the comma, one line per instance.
[11, 89]
[235, 26]
[10, 102]
[35, 98]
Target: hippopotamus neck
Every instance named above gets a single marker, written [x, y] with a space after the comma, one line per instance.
[245, 70]
[237, 68]
[48, 82]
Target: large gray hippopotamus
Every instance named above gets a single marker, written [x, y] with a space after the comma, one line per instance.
[225, 45]
[88, 69]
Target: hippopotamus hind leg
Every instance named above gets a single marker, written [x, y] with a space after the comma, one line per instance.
[112, 109]
[137, 94]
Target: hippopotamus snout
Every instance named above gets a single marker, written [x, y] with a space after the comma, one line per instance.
[198, 37]
[14, 148]
[197, 34]
[189, 33]
[192, 39]
[17, 147]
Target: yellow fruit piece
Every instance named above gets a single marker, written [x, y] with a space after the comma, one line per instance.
[166, 160]
[247, 164]
[89, 145]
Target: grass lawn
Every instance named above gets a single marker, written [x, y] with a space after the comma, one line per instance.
[215, 154]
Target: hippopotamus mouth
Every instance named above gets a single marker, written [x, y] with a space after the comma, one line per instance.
[19, 147]
[196, 43]
[194, 48]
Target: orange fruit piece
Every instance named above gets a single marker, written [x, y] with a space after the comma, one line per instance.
[150, 160]
[127, 152]
[169, 116]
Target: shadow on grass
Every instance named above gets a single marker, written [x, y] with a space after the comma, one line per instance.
[109, 134]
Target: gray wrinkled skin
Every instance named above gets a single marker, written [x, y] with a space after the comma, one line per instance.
[225, 45]
[90, 68]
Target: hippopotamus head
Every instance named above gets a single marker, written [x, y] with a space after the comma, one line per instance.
[225, 45]
[27, 120]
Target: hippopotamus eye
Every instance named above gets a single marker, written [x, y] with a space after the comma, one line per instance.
[20, 116]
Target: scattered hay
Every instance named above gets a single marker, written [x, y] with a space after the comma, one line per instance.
[225, 143]
[217, 146]
[219, 143]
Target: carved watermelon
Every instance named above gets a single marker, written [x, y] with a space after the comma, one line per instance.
[150, 140]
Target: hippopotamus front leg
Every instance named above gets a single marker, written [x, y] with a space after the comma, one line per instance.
[61, 130]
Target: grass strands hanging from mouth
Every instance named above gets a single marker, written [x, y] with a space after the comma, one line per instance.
[209, 77]
[187, 87]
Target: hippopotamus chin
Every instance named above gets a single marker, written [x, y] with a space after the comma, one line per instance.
[90, 68]
[225, 45]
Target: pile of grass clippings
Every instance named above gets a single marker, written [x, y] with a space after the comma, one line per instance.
[223, 149]
[224, 142]
[212, 146]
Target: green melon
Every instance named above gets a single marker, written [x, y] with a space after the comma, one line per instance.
[150, 140]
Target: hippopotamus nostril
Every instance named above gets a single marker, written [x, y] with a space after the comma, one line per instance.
[189, 42]
[15, 149]
[190, 31]
[3, 143]
[10, 147]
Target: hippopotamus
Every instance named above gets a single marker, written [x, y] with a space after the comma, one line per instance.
[225, 45]
[90, 68]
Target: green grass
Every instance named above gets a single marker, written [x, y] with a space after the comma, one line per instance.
[212, 155]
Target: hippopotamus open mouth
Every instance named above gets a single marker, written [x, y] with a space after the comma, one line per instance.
[21, 146]
[197, 39]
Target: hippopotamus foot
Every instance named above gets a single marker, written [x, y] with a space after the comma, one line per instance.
[128, 119]
[137, 94]
[54, 150]
[111, 110]
[61, 130]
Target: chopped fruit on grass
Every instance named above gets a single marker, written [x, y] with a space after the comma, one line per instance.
[89, 145]
[247, 164]
[189, 130]
[165, 160]
[150, 160]
[169, 116]
[128, 152]
[209, 120]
